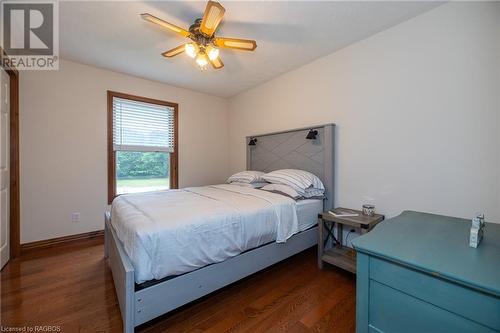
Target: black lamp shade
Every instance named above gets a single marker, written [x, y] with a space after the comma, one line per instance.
[312, 134]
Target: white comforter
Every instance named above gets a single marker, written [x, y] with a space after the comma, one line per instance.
[173, 232]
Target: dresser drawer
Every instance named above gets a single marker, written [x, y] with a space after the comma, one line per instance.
[394, 311]
[435, 292]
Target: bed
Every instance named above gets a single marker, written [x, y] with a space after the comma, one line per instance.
[168, 248]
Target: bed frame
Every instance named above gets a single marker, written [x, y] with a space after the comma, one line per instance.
[278, 150]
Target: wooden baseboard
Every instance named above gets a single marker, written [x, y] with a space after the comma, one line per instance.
[60, 241]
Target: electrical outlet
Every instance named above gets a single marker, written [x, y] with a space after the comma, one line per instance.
[75, 217]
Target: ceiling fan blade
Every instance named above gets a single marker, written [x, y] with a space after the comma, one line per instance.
[236, 43]
[165, 24]
[212, 17]
[217, 63]
[173, 52]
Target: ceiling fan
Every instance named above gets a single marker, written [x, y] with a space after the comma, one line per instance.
[204, 47]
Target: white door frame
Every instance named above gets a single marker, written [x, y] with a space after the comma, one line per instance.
[14, 197]
[4, 167]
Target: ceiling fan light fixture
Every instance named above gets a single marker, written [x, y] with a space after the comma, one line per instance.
[191, 50]
[213, 53]
[204, 47]
[201, 60]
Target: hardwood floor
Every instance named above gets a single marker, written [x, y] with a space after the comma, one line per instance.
[71, 286]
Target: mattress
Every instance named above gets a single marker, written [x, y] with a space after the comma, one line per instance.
[172, 232]
[307, 212]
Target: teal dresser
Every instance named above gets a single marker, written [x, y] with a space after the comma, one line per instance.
[416, 273]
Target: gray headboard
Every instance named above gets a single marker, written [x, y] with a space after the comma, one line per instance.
[291, 150]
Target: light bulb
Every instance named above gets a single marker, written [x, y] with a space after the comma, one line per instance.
[213, 53]
[201, 60]
[191, 50]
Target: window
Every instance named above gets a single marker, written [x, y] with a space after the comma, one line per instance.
[142, 144]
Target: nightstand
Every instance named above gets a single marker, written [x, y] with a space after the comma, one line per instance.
[335, 252]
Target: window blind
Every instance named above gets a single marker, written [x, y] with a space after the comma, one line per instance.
[139, 126]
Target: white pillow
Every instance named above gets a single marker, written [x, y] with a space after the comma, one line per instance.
[314, 193]
[282, 189]
[299, 180]
[251, 185]
[247, 177]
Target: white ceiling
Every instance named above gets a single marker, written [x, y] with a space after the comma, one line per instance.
[289, 34]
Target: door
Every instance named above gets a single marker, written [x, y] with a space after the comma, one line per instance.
[4, 169]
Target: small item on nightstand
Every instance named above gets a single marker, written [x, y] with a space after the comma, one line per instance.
[476, 231]
[343, 214]
[368, 210]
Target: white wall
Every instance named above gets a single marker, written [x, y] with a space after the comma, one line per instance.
[63, 144]
[417, 112]
[417, 109]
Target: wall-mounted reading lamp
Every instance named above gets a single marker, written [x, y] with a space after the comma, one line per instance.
[312, 134]
[252, 142]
